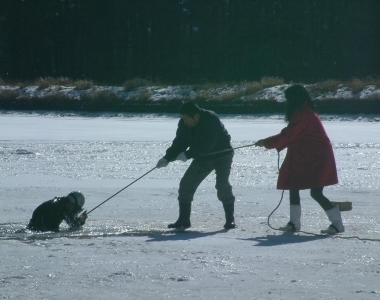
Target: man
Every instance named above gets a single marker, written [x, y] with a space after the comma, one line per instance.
[200, 134]
[50, 214]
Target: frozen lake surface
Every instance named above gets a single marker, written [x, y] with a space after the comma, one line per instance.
[125, 249]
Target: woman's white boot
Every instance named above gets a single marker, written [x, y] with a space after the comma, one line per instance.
[294, 224]
[336, 221]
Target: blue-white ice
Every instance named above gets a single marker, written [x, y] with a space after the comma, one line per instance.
[125, 251]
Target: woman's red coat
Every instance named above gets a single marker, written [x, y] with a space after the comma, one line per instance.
[309, 161]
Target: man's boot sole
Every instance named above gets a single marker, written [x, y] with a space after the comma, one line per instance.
[179, 226]
[229, 226]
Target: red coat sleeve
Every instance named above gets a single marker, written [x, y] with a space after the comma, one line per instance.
[297, 126]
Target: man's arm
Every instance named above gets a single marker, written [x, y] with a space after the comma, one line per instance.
[179, 143]
[75, 221]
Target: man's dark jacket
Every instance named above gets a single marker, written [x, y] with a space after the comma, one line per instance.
[208, 136]
[50, 214]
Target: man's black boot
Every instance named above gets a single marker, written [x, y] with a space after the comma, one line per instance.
[184, 216]
[229, 213]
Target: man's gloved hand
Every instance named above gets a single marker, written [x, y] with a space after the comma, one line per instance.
[162, 163]
[182, 156]
[83, 217]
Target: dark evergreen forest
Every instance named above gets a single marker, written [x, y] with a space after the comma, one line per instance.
[189, 41]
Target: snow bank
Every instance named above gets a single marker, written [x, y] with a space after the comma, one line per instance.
[156, 93]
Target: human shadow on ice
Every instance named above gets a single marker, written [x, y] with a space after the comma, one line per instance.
[181, 235]
[282, 239]
[18, 231]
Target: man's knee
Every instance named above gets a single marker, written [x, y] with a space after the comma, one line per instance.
[186, 193]
[224, 193]
[230, 200]
[185, 200]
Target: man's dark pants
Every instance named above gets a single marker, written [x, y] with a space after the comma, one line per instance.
[198, 170]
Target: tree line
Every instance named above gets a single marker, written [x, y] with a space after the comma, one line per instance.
[189, 41]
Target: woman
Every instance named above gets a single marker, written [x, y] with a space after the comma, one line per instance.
[309, 162]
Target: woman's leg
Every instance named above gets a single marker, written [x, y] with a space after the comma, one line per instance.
[295, 212]
[333, 212]
[317, 195]
[294, 197]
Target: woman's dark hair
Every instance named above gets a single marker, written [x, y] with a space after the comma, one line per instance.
[295, 96]
[190, 109]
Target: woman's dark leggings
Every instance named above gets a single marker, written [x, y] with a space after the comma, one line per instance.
[315, 193]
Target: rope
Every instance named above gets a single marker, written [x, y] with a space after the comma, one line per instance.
[121, 190]
[226, 150]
